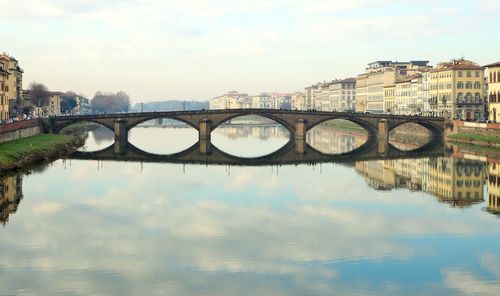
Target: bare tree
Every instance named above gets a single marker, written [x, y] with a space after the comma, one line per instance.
[39, 94]
[110, 102]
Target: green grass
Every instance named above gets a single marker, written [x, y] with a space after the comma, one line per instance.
[345, 125]
[14, 150]
[476, 137]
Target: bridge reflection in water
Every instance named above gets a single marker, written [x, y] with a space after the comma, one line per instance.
[204, 152]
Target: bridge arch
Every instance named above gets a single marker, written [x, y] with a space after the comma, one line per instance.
[58, 128]
[161, 116]
[288, 125]
[369, 127]
[435, 130]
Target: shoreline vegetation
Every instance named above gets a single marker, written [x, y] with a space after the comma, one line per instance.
[475, 139]
[27, 151]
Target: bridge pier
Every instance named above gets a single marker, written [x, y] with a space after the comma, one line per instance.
[300, 136]
[204, 136]
[383, 130]
[121, 136]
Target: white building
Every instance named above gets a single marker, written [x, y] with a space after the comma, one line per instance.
[262, 101]
[231, 100]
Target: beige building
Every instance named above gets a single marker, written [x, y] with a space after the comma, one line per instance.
[403, 97]
[231, 100]
[342, 95]
[457, 90]
[370, 85]
[4, 88]
[390, 98]
[494, 91]
[11, 81]
[298, 101]
[262, 101]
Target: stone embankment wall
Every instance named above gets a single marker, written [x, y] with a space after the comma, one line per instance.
[21, 129]
[465, 127]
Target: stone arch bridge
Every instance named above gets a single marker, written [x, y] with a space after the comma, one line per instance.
[298, 123]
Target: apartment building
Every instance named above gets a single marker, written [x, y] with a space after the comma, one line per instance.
[379, 74]
[494, 91]
[457, 90]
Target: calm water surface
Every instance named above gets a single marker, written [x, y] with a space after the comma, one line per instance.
[389, 227]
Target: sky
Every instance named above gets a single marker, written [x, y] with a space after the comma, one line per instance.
[198, 49]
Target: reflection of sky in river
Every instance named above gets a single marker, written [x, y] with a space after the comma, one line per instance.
[162, 229]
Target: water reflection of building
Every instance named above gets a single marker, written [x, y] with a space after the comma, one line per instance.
[332, 141]
[459, 182]
[10, 196]
[260, 132]
[493, 178]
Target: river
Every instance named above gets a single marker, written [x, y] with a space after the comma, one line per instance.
[426, 226]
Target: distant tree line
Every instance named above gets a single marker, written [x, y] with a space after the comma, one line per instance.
[110, 102]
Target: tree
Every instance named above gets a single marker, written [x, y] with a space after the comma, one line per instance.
[68, 103]
[110, 102]
[39, 94]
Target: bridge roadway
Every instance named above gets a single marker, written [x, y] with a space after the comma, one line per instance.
[298, 123]
[289, 154]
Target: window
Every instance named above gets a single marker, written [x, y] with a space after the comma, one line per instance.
[460, 85]
[469, 74]
[478, 74]
[460, 74]
[468, 85]
[477, 85]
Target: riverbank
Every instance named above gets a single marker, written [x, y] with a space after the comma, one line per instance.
[475, 139]
[27, 151]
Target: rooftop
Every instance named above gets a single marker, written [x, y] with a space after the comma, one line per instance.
[497, 64]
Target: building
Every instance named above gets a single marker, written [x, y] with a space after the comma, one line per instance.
[403, 96]
[379, 74]
[298, 101]
[426, 88]
[390, 98]
[335, 95]
[263, 101]
[11, 84]
[54, 103]
[231, 100]
[4, 88]
[342, 95]
[82, 104]
[494, 91]
[457, 90]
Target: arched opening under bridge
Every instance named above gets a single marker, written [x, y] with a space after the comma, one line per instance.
[250, 136]
[336, 136]
[162, 136]
[411, 136]
[97, 136]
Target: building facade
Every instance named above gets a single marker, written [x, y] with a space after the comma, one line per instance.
[494, 91]
[298, 101]
[457, 90]
[11, 86]
[4, 96]
[231, 100]
[370, 85]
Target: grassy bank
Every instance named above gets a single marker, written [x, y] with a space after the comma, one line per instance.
[23, 151]
[345, 125]
[475, 138]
